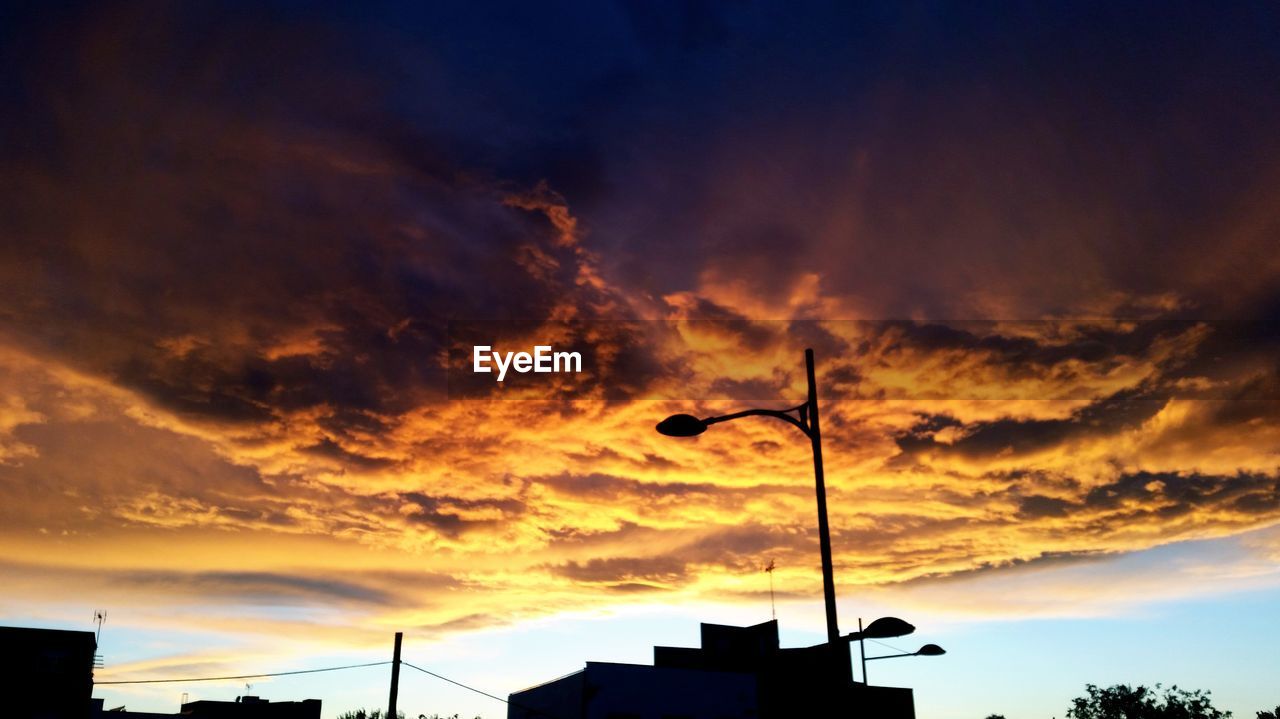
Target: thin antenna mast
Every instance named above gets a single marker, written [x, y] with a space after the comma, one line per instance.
[99, 618]
[773, 607]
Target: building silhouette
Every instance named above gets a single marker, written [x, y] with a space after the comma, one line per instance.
[49, 673]
[245, 707]
[251, 707]
[738, 672]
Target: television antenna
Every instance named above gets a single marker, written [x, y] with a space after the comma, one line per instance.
[99, 618]
[773, 607]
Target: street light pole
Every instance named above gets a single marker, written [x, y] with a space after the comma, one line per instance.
[806, 420]
[824, 530]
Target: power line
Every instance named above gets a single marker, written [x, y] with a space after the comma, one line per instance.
[456, 683]
[481, 692]
[245, 676]
[313, 671]
[896, 649]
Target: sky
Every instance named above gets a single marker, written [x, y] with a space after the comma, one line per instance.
[1033, 247]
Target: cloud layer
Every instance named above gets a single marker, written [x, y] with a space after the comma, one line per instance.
[233, 245]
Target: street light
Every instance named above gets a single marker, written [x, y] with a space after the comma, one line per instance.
[927, 650]
[882, 628]
[888, 628]
[805, 418]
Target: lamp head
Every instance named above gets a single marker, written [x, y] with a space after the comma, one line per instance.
[931, 650]
[682, 425]
[887, 628]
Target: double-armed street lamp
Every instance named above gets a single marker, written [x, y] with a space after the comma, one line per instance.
[805, 418]
[889, 628]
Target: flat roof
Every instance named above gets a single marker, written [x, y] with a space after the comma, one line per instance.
[66, 636]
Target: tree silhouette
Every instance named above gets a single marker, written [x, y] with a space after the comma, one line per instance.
[995, 716]
[1124, 702]
[380, 714]
[368, 714]
[1270, 715]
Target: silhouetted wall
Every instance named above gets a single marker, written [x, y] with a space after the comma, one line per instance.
[49, 673]
[605, 690]
[737, 673]
[251, 707]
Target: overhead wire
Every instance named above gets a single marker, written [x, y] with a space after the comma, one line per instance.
[890, 646]
[242, 676]
[454, 682]
[537, 712]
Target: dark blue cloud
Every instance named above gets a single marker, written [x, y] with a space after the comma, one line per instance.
[259, 168]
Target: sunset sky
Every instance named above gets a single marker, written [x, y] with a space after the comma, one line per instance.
[1034, 247]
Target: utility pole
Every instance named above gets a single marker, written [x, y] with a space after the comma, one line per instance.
[824, 532]
[395, 678]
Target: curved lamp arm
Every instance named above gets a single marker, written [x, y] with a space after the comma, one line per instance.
[801, 423]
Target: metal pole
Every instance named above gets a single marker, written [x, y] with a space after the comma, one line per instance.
[862, 649]
[395, 678]
[824, 531]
